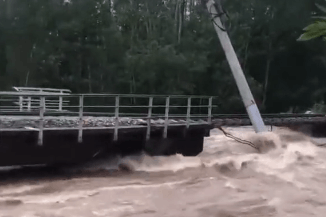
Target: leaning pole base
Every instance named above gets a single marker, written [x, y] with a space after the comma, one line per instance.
[256, 119]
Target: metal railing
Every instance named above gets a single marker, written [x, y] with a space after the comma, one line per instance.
[32, 102]
[159, 110]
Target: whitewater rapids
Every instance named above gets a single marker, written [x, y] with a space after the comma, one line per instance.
[228, 179]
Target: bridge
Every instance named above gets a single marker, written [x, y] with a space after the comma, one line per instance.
[49, 126]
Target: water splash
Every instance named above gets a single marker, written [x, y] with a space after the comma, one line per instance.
[284, 178]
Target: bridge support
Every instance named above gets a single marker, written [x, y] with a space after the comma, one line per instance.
[61, 147]
[237, 72]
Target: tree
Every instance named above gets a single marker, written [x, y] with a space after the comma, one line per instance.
[162, 47]
[316, 29]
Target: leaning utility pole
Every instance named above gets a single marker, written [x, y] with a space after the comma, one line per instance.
[237, 72]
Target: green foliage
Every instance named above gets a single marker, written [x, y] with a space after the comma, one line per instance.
[316, 29]
[163, 47]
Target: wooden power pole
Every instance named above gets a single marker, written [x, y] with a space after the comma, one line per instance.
[215, 11]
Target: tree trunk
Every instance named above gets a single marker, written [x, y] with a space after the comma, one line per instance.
[181, 17]
[9, 8]
[266, 81]
[89, 79]
[26, 80]
[133, 87]
[102, 85]
[176, 16]
[267, 71]
[246, 56]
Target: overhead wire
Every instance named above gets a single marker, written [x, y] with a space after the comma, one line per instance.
[219, 14]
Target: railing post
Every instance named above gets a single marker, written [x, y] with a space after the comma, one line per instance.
[210, 102]
[60, 101]
[149, 118]
[29, 103]
[21, 103]
[188, 112]
[41, 123]
[80, 127]
[116, 126]
[166, 124]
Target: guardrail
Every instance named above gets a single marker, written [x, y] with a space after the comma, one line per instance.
[171, 110]
[29, 102]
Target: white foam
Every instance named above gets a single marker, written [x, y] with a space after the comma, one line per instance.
[63, 197]
[292, 162]
[19, 190]
[158, 164]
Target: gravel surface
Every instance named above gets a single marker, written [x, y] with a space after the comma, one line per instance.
[13, 122]
[73, 122]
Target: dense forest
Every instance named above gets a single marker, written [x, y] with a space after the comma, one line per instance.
[164, 47]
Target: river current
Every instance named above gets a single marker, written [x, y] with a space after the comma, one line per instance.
[228, 179]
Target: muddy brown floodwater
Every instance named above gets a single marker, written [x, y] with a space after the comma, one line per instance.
[227, 180]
